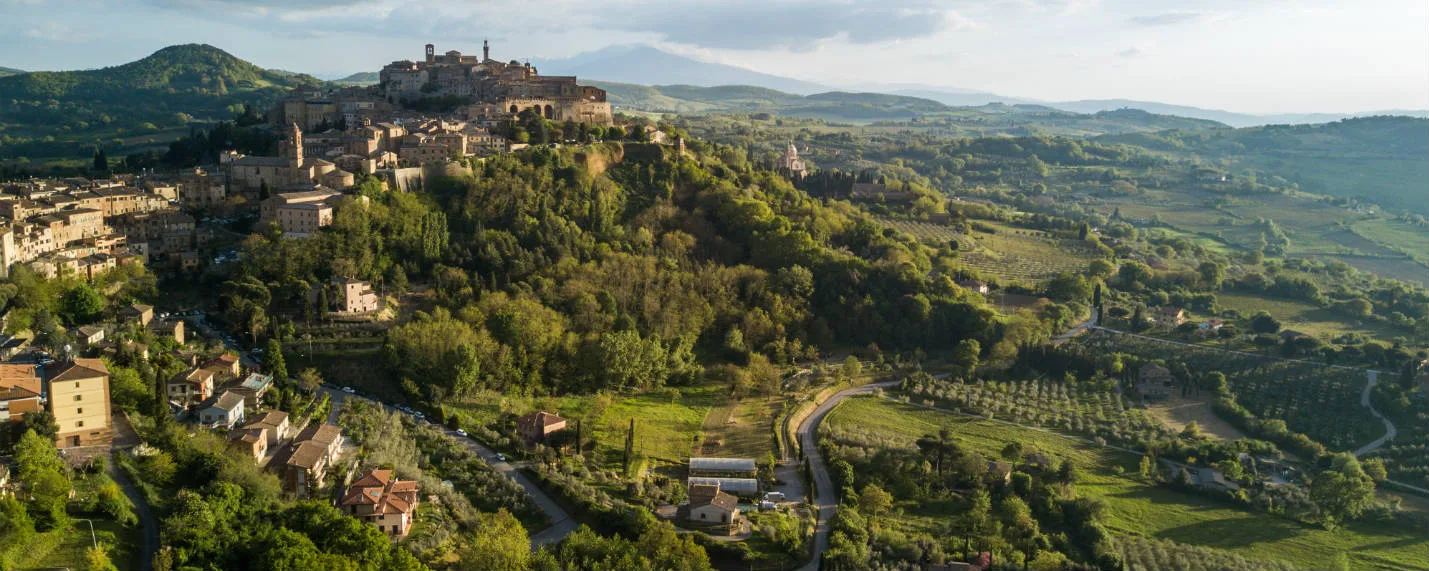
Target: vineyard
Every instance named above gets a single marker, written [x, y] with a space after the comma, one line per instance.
[1010, 254]
[1080, 409]
[1321, 401]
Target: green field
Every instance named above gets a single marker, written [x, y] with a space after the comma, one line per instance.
[667, 422]
[1010, 254]
[1305, 317]
[1136, 508]
[66, 548]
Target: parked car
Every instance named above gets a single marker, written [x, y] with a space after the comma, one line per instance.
[461, 433]
[501, 457]
[349, 390]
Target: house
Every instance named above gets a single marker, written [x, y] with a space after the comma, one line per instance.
[252, 441]
[20, 391]
[1170, 316]
[302, 466]
[192, 387]
[137, 313]
[355, 296]
[138, 349]
[227, 362]
[975, 285]
[999, 472]
[983, 561]
[174, 328]
[380, 499]
[708, 505]
[727, 467]
[535, 427]
[274, 422]
[1153, 382]
[79, 400]
[90, 335]
[224, 409]
[254, 387]
[1037, 461]
[1209, 327]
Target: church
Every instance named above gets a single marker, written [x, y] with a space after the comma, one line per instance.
[288, 171]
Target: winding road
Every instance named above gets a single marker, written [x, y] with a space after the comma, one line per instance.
[1389, 430]
[826, 500]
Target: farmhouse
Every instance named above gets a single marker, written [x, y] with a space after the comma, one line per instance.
[709, 505]
[1170, 316]
[742, 487]
[382, 500]
[1154, 382]
[535, 427]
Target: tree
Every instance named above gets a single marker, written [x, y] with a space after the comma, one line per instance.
[81, 305]
[1341, 496]
[309, 379]
[1374, 468]
[41, 422]
[97, 559]
[101, 161]
[273, 360]
[1212, 274]
[852, 367]
[1012, 452]
[499, 543]
[966, 355]
[1263, 322]
[873, 501]
[39, 466]
[1148, 467]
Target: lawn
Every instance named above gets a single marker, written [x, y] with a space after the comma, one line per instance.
[66, 547]
[1134, 507]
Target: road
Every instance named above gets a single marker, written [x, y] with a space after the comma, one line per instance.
[827, 501]
[1389, 430]
[561, 522]
[1078, 330]
[146, 516]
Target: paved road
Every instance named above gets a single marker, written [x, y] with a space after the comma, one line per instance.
[827, 501]
[1078, 330]
[1389, 430]
[146, 516]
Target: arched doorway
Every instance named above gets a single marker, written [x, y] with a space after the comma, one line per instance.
[513, 110]
[549, 113]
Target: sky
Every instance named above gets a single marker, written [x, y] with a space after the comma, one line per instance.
[1252, 56]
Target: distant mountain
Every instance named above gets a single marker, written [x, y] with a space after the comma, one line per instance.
[1228, 117]
[646, 65]
[166, 90]
[8, 71]
[359, 78]
[959, 97]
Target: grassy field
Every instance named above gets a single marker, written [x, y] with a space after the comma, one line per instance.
[743, 429]
[66, 548]
[668, 422]
[1136, 508]
[1010, 254]
[1305, 317]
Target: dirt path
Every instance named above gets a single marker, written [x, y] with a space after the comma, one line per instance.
[146, 516]
[1389, 430]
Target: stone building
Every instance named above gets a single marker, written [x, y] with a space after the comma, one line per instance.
[379, 498]
[291, 169]
[790, 164]
[19, 392]
[512, 86]
[355, 296]
[299, 213]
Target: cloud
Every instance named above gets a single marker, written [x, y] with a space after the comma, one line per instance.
[1131, 52]
[796, 26]
[52, 31]
[1167, 18]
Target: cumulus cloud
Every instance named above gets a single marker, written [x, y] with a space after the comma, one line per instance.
[52, 31]
[1167, 18]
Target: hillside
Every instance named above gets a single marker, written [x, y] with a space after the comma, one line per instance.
[9, 71]
[1228, 117]
[167, 90]
[359, 78]
[1378, 159]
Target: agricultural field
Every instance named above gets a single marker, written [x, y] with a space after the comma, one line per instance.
[1310, 319]
[1080, 409]
[739, 428]
[1008, 254]
[1298, 392]
[66, 548]
[1133, 508]
[669, 423]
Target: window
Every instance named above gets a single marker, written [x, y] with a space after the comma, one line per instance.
[76, 384]
[79, 424]
[79, 411]
[78, 398]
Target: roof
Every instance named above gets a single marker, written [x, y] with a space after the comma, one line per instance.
[542, 419]
[76, 369]
[250, 436]
[18, 377]
[91, 330]
[708, 495]
[256, 381]
[137, 308]
[227, 401]
[306, 455]
[378, 488]
[723, 464]
[732, 485]
[226, 359]
[324, 434]
[999, 468]
[193, 377]
[271, 419]
[1153, 370]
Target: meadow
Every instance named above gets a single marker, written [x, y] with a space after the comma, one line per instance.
[1008, 254]
[1134, 507]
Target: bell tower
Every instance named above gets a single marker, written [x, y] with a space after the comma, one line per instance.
[431, 53]
[485, 50]
[295, 147]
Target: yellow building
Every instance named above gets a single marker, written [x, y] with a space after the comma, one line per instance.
[79, 399]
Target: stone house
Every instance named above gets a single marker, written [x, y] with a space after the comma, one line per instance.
[137, 313]
[380, 499]
[535, 427]
[252, 441]
[191, 387]
[274, 423]
[709, 506]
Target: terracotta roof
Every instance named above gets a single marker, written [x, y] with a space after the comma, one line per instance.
[19, 377]
[324, 434]
[193, 377]
[377, 488]
[707, 495]
[270, 419]
[542, 419]
[76, 369]
[306, 455]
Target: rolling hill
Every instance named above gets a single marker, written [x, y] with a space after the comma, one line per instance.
[9, 71]
[166, 90]
[646, 65]
[1378, 159]
[1228, 117]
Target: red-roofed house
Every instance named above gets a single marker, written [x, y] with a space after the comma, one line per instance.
[536, 426]
[380, 499]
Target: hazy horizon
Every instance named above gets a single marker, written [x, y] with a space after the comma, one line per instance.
[1271, 57]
